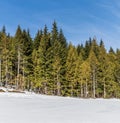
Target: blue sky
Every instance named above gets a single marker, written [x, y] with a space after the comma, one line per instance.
[79, 19]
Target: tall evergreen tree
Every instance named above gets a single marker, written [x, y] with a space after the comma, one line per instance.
[70, 67]
[103, 64]
[85, 79]
[93, 63]
[37, 39]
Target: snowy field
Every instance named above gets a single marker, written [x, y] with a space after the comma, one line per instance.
[31, 108]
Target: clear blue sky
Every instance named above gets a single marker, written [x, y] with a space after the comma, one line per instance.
[79, 19]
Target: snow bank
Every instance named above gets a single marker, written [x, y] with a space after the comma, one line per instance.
[33, 108]
[3, 89]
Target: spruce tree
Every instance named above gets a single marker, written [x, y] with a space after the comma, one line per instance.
[37, 39]
[70, 68]
[103, 64]
[85, 78]
[93, 64]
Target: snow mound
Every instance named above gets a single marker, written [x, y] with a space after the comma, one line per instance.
[2, 89]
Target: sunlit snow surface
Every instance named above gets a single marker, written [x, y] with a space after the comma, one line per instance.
[33, 108]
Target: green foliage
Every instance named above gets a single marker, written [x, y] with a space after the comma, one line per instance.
[49, 65]
[37, 39]
[70, 68]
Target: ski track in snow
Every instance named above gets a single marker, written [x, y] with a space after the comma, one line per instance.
[33, 108]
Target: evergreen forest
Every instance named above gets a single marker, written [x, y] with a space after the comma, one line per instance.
[48, 64]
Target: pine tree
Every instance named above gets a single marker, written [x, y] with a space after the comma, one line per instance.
[5, 56]
[112, 83]
[78, 70]
[41, 63]
[57, 54]
[62, 48]
[70, 68]
[18, 48]
[23, 46]
[87, 48]
[117, 69]
[85, 78]
[27, 67]
[103, 64]
[93, 63]
[37, 39]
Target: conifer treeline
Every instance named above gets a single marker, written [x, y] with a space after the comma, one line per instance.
[48, 65]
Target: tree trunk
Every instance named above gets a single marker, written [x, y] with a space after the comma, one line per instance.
[58, 86]
[0, 74]
[18, 69]
[86, 90]
[104, 90]
[45, 88]
[23, 85]
[71, 90]
[58, 89]
[6, 73]
[81, 90]
[94, 83]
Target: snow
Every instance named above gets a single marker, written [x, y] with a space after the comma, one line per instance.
[4, 89]
[33, 108]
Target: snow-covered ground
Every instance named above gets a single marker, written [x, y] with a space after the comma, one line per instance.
[33, 108]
